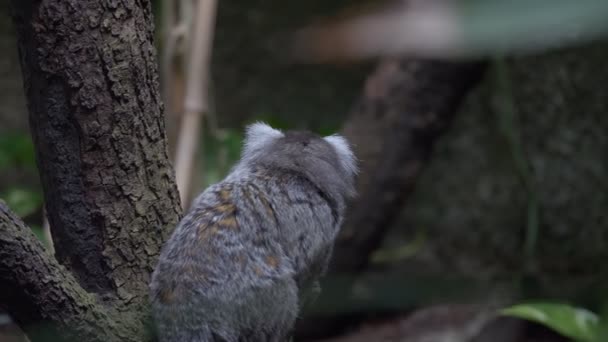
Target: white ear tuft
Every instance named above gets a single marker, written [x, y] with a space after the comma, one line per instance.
[258, 135]
[345, 154]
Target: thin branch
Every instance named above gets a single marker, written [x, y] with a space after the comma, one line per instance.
[196, 102]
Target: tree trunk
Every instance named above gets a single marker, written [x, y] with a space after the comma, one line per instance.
[90, 77]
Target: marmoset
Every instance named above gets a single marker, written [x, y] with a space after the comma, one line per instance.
[251, 249]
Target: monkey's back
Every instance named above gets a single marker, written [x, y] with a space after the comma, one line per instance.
[232, 260]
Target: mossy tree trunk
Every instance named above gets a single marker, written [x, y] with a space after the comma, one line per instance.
[90, 77]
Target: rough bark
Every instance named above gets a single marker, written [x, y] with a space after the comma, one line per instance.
[405, 108]
[35, 289]
[46, 299]
[90, 79]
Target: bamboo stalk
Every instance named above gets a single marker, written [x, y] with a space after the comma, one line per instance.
[196, 102]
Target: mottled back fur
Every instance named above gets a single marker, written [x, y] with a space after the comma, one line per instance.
[251, 248]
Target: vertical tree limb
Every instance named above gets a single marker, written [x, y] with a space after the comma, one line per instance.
[90, 77]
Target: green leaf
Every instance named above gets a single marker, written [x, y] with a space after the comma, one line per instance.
[23, 202]
[576, 323]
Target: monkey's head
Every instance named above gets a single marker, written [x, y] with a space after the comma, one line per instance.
[327, 162]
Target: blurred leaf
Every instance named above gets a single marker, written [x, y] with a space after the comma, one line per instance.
[496, 25]
[5, 159]
[453, 29]
[602, 334]
[17, 149]
[23, 202]
[233, 141]
[402, 252]
[576, 323]
[39, 232]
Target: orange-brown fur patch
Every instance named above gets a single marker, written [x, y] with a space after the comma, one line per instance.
[247, 194]
[224, 195]
[226, 208]
[228, 222]
[205, 231]
[271, 261]
[267, 206]
[262, 175]
[168, 293]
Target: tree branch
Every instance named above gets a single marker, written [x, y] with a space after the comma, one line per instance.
[45, 299]
[90, 78]
[405, 108]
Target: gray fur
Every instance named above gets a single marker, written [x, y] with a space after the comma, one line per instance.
[250, 250]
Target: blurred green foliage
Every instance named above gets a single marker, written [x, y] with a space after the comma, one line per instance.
[17, 153]
[23, 201]
[506, 112]
[16, 150]
[220, 152]
[576, 323]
